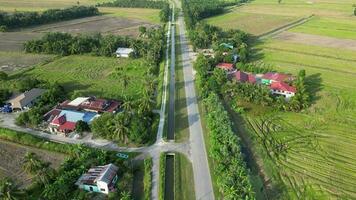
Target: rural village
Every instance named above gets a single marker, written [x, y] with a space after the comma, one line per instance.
[190, 99]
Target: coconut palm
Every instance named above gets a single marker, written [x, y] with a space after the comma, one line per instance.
[120, 128]
[9, 191]
[31, 163]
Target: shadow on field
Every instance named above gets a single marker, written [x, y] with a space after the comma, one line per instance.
[256, 54]
[313, 86]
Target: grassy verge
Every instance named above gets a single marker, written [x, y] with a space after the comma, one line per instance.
[180, 114]
[160, 86]
[147, 179]
[162, 175]
[184, 181]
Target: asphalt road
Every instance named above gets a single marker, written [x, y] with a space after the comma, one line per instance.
[202, 178]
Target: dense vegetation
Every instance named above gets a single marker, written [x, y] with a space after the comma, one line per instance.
[59, 184]
[135, 4]
[225, 145]
[150, 45]
[229, 166]
[23, 19]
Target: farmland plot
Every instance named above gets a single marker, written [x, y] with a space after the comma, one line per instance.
[12, 157]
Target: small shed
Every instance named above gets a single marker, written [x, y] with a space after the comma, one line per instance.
[26, 100]
[123, 52]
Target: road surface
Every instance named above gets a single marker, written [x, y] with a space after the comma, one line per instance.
[202, 178]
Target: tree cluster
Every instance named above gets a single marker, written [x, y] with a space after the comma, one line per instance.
[231, 171]
[4, 95]
[150, 45]
[23, 19]
[135, 4]
[134, 124]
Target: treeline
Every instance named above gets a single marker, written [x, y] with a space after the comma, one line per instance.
[23, 19]
[230, 169]
[195, 10]
[135, 4]
[163, 5]
[150, 45]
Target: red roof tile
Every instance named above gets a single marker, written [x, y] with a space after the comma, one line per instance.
[67, 127]
[59, 120]
[276, 76]
[283, 87]
[225, 66]
[244, 77]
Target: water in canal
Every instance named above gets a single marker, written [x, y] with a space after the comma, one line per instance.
[169, 178]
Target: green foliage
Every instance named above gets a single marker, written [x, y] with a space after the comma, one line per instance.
[3, 76]
[81, 126]
[4, 95]
[27, 83]
[23, 19]
[135, 4]
[3, 28]
[151, 47]
[164, 13]
[9, 191]
[162, 176]
[147, 179]
[33, 141]
[229, 166]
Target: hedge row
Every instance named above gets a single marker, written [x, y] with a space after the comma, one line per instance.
[33, 141]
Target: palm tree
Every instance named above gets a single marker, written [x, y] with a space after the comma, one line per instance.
[120, 128]
[128, 105]
[31, 163]
[144, 104]
[9, 191]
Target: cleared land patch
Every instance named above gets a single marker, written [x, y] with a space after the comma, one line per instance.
[13, 41]
[12, 158]
[317, 40]
[143, 14]
[14, 61]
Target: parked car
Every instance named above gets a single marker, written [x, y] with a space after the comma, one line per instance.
[6, 109]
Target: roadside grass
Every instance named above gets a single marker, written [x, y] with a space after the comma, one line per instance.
[184, 181]
[11, 62]
[138, 180]
[143, 14]
[147, 179]
[332, 27]
[181, 113]
[255, 24]
[162, 176]
[41, 5]
[89, 75]
[327, 165]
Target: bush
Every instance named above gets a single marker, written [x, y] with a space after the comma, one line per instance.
[3, 76]
[81, 126]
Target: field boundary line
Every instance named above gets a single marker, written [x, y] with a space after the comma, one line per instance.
[309, 54]
[286, 27]
[316, 67]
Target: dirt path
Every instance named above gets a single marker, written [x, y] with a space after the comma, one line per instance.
[317, 40]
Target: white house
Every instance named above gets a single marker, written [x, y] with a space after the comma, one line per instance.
[283, 89]
[123, 52]
[100, 179]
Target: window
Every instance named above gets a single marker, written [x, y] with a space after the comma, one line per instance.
[101, 189]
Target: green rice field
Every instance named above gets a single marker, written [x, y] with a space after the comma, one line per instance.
[90, 75]
[320, 161]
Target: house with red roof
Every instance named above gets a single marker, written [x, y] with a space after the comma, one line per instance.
[228, 67]
[244, 77]
[91, 104]
[271, 77]
[283, 89]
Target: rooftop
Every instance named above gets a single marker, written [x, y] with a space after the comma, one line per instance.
[283, 87]
[104, 173]
[276, 76]
[226, 66]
